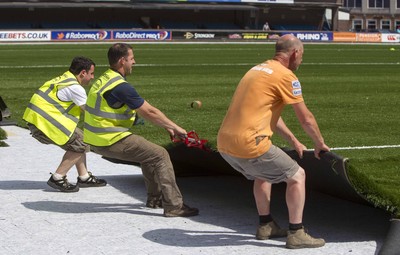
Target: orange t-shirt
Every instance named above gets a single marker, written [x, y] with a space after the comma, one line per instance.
[255, 109]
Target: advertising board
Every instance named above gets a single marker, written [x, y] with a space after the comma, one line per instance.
[313, 36]
[391, 38]
[142, 35]
[83, 35]
[24, 36]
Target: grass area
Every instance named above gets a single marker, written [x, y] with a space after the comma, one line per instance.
[3, 136]
[351, 89]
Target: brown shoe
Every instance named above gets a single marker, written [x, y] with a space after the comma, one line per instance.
[154, 203]
[270, 230]
[184, 211]
[300, 239]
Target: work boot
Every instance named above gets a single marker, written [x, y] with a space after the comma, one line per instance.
[154, 203]
[270, 230]
[62, 185]
[300, 239]
[92, 181]
[184, 211]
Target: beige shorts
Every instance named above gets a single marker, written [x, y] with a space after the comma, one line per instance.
[75, 142]
[274, 166]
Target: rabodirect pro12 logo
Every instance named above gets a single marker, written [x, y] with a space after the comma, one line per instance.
[80, 35]
[132, 35]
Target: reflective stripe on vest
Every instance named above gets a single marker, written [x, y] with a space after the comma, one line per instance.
[55, 118]
[50, 119]
[45, 96]
[105, 125]
[109, 115]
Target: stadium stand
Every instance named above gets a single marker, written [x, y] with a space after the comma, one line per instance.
[87, 14]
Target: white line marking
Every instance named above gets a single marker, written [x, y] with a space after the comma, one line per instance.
[200, 64]
[365, 147]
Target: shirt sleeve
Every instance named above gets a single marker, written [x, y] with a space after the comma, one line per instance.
[124, 94]
[291, 90]
[75, 93]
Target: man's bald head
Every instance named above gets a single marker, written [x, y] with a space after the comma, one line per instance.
[287, 42]
[289, 51]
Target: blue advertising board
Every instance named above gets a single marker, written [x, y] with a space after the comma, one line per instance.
[146, 35]
[312, 36]
[70, 35]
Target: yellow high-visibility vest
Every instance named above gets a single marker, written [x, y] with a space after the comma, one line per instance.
[104, 125]
[55, 118]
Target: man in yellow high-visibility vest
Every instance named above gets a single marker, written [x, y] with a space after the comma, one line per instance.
[53, 114]
[110, 113]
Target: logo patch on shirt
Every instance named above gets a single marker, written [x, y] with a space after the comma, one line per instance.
[296, 92]
[296, 85]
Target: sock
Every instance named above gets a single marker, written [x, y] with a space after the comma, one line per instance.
[57, 176]
[264, 219]
[84, 177]
[295, 226]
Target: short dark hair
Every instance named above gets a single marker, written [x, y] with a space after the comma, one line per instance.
[81, 63]
[117, 51]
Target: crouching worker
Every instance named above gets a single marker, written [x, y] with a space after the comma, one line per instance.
[53, 114]
[110, 113]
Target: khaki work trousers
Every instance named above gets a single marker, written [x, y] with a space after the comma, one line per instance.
[157, 169]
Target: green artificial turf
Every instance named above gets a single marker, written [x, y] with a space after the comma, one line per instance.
[3, 136]
[351, 89]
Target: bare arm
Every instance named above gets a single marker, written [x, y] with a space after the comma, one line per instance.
[282, 130]
[158, 118]
[310, 126]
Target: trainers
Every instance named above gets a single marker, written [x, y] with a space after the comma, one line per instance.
[184, 211]
[92, 181]
[300, 239]
[154, 203]
[62, 185]
[270, 230]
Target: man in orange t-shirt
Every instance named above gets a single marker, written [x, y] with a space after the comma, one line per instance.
[244, 139]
